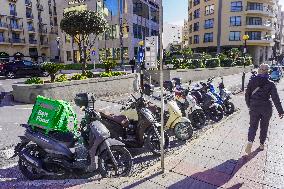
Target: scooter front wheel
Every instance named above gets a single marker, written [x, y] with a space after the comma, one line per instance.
[153, 141]
[183, 130]
[123, 159]
[229, 108]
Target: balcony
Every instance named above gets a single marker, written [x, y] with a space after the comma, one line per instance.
[264, 11]
[3, 26]
[32, 42]
[44, 44]
[4, 41]
[42, 31]
[13, 13]
[14, 27]
[260, 42]
[17, 41]
[31, 29]
[260, 26]
[28, 3]
[29, 16]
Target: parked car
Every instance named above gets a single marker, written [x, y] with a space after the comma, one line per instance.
[21, 68]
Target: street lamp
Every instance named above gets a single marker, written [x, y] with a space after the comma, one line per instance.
[58, 48]
[245, 38]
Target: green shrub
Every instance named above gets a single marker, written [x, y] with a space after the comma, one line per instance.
[61, 78]
[212, 63]
[222, 57]
[78, 66]
[248, 60]
[197, 63]
[240, 61]
[89, 74]
[109, 64]
[78, 77]
[227, 62]
[52, 68]
[106, 74]
[117, 73]
[34, 80]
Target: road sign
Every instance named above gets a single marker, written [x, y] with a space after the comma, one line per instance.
[151, 52]
[140, 55]
[93, 52]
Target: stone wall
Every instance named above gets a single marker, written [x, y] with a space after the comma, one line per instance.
[67, 90]
[195, 74]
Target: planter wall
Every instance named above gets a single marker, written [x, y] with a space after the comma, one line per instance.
[67, 90]
[196, 74]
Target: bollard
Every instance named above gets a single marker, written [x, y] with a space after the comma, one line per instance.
[243, 81]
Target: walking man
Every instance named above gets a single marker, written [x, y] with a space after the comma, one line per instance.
[259, 91]
[132, 63]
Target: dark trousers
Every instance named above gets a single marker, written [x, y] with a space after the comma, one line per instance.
[260, 115]
[132, 67]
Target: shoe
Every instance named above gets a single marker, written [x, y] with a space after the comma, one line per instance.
[248, 148]
[261, 147]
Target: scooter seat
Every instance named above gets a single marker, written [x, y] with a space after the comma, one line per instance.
[65, 138]
[120, 119]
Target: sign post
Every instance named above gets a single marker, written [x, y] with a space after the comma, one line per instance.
[93, 54]
[140, 62]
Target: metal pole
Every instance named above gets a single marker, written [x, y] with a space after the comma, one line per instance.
[161, 85]
[121, 31]
[244, 73]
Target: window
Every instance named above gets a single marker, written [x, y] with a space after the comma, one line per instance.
[209, 23]
[196, 39]
[235, 21]
[236, 6]
[254, 21]
[208, 37]
[190, 40]
[209, 9]
[2, 37]
[196, 26]
[190, 29]
[235, 36]
[196, 2]
[255, 6]
[254, 35]
[196, 13]
[68, 56]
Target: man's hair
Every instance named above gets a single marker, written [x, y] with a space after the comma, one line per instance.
[263, 69]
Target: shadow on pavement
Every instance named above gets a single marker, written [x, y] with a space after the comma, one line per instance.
[143, 180]
[13, 178]
[218, 175]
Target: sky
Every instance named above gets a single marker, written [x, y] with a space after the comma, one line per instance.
[175, 11]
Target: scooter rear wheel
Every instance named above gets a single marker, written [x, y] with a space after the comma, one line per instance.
[28, 170]
[229, 108]
[153, 141]
[198, 119]
[123, 159]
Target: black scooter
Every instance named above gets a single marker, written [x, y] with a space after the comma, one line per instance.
[51, 155]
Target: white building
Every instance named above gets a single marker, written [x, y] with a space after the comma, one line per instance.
[172, 35]
[139, 18]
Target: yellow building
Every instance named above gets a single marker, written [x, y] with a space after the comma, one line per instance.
[27, 29]
[218, 25]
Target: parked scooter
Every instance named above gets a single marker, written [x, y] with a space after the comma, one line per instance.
[174, 119]
[189, 107]
[136, 126]
[42, 154]
[207, 102]
[224, 96]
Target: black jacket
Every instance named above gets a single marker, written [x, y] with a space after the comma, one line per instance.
[261, 98]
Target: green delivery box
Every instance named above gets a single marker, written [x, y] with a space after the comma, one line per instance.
[56, 115]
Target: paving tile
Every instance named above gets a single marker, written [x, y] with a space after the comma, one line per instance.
[186, 183]
[168, 179]
[273, 180]
[143, 185]
[237, 183]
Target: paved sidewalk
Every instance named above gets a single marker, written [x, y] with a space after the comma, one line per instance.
[216, 160]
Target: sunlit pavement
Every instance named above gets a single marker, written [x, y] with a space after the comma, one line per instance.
[216, 160]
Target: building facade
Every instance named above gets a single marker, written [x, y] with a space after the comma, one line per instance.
[185, 34]
[172, 35]
[28, 29]
[218, 25]
[136, 19]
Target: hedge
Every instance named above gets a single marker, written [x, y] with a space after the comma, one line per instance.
[212, 63]
[227, 62]
[79, 66]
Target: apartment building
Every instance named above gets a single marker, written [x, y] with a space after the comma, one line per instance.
[136, 19]
[217, 25]
[27, 28]
[185, 34]
[172, 35]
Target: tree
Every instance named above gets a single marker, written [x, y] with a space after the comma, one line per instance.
[52, 68]
[84, 26]
[109, 64]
